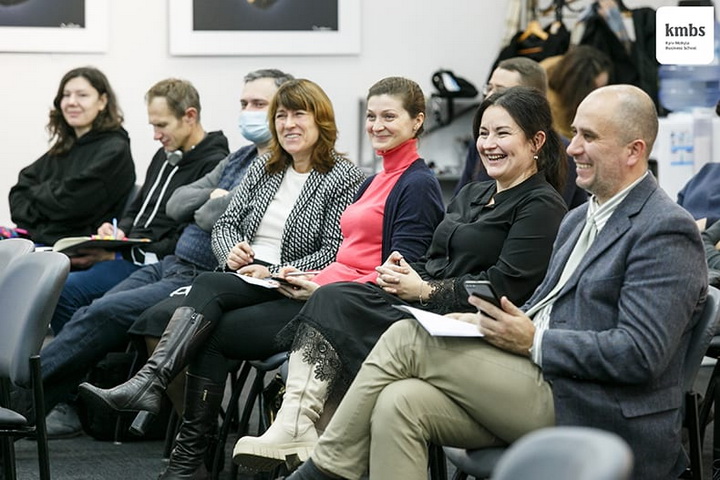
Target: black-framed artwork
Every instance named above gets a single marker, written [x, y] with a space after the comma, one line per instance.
[264, 27]
[53, 26]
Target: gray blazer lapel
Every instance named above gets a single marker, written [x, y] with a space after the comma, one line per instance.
[562, 256]
[619, 223]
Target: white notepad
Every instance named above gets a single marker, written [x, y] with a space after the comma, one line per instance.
[440, 326]
[260, 282]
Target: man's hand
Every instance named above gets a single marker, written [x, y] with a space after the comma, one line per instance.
[239, 256]
[88, 257]
[508, 329]
[106, 230]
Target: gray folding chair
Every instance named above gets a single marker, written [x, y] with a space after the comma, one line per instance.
[699, 342]
[566, 453]
[29, 291]
[12, 248]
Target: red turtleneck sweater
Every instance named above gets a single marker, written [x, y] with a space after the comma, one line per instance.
[361, 223]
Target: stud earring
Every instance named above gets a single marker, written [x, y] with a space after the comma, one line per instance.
[535, 157]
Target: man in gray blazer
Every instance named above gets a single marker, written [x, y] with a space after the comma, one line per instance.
[600, 343]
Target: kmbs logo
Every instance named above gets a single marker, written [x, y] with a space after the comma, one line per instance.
[685, 35]
[685, 31]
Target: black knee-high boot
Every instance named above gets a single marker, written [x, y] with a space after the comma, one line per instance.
[186, 331]
[203, 398]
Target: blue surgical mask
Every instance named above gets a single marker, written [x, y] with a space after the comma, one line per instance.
[254, 126]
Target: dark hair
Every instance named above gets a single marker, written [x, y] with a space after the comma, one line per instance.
[302, 94]
[530, 109]
[179, 95]
[532, 74]
[110, 118]
[573, 77]
[409, 92]
[279, 76]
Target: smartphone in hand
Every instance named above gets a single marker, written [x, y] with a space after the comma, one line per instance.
[282, 281]
[483, 289]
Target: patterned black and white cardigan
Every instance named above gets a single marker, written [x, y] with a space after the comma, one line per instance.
[311, 236]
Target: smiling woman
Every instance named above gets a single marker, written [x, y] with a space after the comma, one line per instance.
[297, 133]
[81, 103]
[392, 118]
[512, 139]
[85, 177]
[305, 131]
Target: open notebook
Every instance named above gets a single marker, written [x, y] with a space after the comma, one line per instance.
[71, 245]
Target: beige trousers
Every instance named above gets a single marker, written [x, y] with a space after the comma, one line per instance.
[414, 388]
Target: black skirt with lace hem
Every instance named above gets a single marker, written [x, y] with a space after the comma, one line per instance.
[338, 327]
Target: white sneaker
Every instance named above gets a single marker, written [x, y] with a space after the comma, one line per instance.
[63, 422]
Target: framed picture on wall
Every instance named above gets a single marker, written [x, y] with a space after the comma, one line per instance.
[264, 27]
[53, 26]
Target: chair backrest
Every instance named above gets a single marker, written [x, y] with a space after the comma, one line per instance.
[29, 291]
[12, 248]
[700, 338]
[566, 453]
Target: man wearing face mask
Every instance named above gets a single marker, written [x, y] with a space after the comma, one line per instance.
[104, 324]
[205, 200]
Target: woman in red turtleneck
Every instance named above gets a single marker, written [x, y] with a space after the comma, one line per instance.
[396, 201]
[395, 210]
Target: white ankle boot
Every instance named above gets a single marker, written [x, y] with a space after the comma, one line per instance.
[292, 435]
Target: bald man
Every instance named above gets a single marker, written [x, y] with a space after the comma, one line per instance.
[600, 345]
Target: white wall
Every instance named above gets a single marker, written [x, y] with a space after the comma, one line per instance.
[412, 38]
